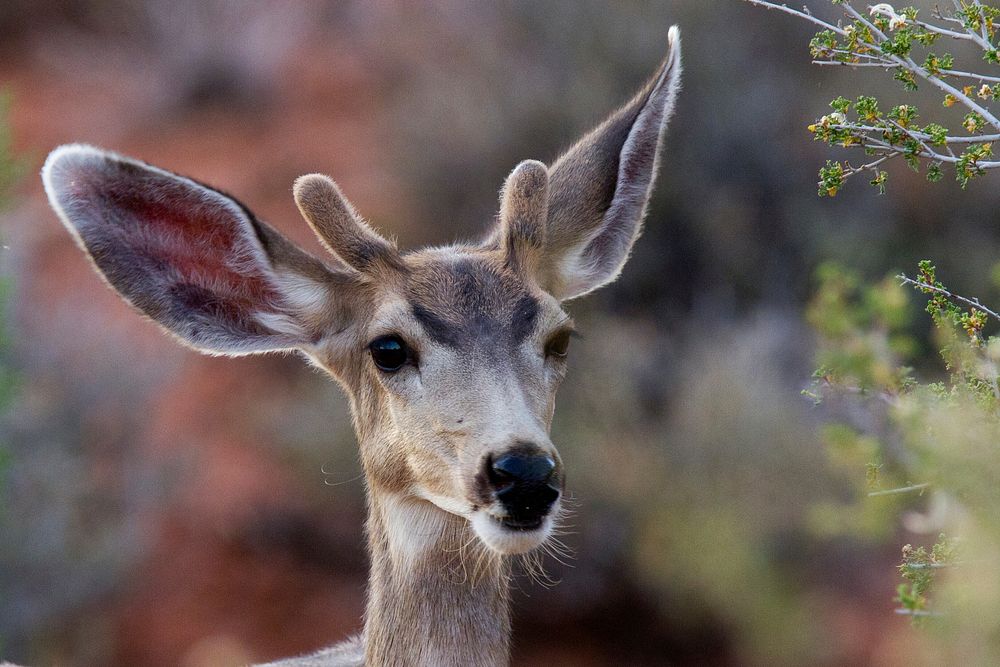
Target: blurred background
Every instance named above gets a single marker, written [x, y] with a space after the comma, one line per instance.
[158, 507]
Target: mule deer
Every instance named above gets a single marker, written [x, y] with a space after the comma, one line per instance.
[450, 356]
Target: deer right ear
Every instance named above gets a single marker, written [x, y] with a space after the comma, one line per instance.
[193, 259]
[599, 188]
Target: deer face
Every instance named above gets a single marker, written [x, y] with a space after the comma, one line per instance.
[451, 356]
[453, 367]
[458, 369]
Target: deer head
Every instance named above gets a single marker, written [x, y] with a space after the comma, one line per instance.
[451, 356]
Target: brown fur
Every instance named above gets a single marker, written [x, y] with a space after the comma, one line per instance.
[524, 207]
[339, 227]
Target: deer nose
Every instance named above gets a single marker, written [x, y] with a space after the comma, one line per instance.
[523, 483]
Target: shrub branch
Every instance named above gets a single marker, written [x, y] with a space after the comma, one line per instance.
[888, 39]
[927, 287]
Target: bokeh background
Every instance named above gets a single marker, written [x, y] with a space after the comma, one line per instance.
[164, 508]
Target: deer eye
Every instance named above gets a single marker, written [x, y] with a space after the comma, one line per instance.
[558, 345]
[389, 353]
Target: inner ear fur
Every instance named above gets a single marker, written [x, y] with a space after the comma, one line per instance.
[192, 258]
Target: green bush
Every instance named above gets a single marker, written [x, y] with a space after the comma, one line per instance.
[923, 447]
[907, 45]
[927, 445]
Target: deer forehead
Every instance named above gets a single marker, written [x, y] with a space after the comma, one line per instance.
[465, 300]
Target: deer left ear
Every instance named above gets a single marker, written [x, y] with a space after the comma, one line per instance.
[192, 258]
[598, 190]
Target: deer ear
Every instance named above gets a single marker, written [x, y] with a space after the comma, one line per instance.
[600, 187]
[192, 258]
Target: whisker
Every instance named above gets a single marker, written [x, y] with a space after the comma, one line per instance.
[544, 579]
[555, 556]
[559, 551]
[327, 482]
[478, 569]
[560, 547]
[459, 553]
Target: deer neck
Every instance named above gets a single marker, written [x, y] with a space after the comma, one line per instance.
[436, 595]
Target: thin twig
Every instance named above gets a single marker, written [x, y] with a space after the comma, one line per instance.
[974, 302]
[944, 31]
[850, 171]
[795, 12]
[969, 75]
[902, 489]
[949, 19]
[979, 139]
[918, 612]
[922, 143]
[966, 34]
[950, 159]
[847, 64]
[848, 52]
[879, 62]
[982, 24]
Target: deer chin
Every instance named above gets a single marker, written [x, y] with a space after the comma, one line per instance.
[510, 540]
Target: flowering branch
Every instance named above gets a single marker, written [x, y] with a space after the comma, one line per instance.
[927, 288]
[888, 39]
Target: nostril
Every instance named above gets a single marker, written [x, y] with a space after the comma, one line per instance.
[517, 468]
[536, 498]
[526, 504]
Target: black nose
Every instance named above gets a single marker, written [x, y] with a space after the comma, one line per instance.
[515, 467]
[523, 483]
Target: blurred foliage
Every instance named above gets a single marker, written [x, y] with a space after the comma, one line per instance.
[915, 439]
[922, 445]
[10, 171]
[716, 492]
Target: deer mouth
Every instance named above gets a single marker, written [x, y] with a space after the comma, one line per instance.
[522, 524]
[510, 535]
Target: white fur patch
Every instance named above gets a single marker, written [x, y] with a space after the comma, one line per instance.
[412, 528]
[304, 295]
[450, 505]
[281, 323]
[506, 541]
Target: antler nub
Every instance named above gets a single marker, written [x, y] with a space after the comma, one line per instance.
[524, 206]
[341, 230]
